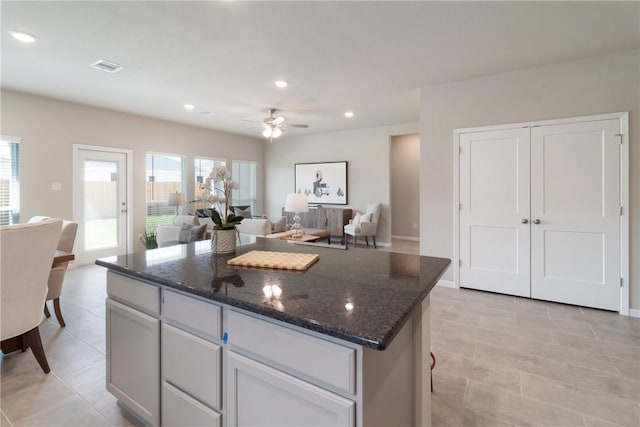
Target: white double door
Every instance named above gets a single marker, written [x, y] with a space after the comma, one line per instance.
[540, 212]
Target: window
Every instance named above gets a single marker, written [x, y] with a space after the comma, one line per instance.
[245, 174]
[9, 180]
[202, 169]
[165, 175]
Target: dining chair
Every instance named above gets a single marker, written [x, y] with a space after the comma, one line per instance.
[26, 254]
[56, 276]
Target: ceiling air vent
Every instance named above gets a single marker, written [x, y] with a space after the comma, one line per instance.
[109, 67]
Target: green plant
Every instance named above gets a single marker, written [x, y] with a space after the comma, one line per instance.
[149, 238]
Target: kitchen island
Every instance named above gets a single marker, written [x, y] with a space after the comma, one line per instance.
[194, 341]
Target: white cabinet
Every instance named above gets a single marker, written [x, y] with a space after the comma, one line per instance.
[259, 395]
[133, 359]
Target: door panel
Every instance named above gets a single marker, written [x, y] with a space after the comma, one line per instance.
[494, 195]
[575, 194]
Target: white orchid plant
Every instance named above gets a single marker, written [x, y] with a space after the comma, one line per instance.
[219, 198]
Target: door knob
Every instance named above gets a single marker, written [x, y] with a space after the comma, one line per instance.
[524, 221]
[536, 221]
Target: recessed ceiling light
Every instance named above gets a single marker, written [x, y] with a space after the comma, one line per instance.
[281, 83]
[23, 37]
[189, 106]
[348, 114]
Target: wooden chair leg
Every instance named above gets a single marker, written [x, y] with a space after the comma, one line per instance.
[56, 308]
[374, 242]
[33, 340]
[366, 240]
[46, 310]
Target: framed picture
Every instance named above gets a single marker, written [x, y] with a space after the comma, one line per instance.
[323, 183]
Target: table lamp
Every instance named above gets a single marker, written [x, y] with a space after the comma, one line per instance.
[176, 199]
[296, 203]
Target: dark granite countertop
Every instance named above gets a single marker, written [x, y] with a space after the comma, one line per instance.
[361, 296]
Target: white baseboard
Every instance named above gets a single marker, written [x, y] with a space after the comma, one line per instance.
[634, 312]
[446, 284]
[412, 239]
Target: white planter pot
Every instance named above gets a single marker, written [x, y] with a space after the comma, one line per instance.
[223, 241]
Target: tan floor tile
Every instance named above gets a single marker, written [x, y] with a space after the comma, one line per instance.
[443, 341]
[518, 409]
[67, 353]
[526, 362]
[593, 403]
[569, 355]
[31, 397]
[594, 422]
[629, 369]
[571, 327]
[4, 421]
[620, 334]
[625, 388]
[70, 412]
[480, 335]
[491, 374]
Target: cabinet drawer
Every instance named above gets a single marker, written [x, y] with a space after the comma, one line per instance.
[314, 357]
[192, 364]
[178, 409]
[199, 317]
[133, 292]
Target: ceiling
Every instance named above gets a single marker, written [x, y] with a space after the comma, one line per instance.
[369, 57]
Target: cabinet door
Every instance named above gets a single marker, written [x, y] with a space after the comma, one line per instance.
[133, 355]
[494, 212]
[262, 396]
[180, 410]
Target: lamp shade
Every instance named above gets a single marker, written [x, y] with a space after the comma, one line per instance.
[176, 199]
[296, 203]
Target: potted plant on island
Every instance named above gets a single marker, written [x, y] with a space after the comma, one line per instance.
[217, 192]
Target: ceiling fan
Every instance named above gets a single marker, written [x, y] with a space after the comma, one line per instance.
[274, 125]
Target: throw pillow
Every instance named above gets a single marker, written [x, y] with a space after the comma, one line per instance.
[185, 219]
[357, 219]
[365, 218]
[191, 233]
[245, 213]
[280, 225]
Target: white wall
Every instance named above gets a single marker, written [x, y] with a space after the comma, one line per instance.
[49, 128]
[595, 85]
[366, 150]
[405, 186]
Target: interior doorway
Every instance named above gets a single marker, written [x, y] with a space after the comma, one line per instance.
[404, 154]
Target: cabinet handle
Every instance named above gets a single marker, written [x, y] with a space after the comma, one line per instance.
[524, 221]
[536, 221]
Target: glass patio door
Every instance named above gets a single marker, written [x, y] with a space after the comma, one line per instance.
[101, 203]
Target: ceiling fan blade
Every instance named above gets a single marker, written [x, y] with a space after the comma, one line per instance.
[250, 121]
[293, 125]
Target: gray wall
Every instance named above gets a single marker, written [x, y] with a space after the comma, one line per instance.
[595, 85]
[405, 186]
[366, 150]
[49, 128]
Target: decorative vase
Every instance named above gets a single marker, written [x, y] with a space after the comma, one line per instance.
[223, 241]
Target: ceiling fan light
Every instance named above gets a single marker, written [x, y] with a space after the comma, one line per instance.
[267, 133]
[278, 120]
[276, 132]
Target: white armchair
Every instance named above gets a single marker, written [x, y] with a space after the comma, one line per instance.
[27, 252]
[364, 225]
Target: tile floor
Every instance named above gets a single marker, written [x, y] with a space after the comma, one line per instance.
[501, 361]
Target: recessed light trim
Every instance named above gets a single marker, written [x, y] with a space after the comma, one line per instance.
[189, 106]
[281, 83]
[349, 114]
[23, 37]
[107, 66]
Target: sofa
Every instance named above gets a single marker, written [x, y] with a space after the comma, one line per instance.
[185, 229]
[264, 227]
